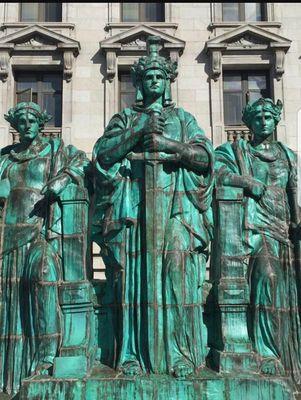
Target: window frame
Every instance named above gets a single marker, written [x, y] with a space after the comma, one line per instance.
[244, 84]
[40, 93]
[242, 13]
[120, 91]
[140, 13]
[41, 13]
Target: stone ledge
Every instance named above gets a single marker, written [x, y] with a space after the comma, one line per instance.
[105, 383]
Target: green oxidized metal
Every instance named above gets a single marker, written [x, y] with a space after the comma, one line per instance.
[255, 273]
[148, 334]
[37, 177]
[154, 181]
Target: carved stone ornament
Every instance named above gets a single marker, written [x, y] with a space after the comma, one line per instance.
[138, 42]
[279, 63]
[35, 42]
[216, 64]
[111, 65]
[246, 40]
[4, 65]
[68, 64]
[133, 42]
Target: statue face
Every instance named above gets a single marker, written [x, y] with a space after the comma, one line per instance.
[263, 123]
[28, 127]
[153, 83]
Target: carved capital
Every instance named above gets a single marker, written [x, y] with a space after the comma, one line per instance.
[279, 63]
[68, 65]
[216, 59]
[111, 65]
[4, 65]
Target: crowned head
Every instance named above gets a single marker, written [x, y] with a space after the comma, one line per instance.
[152, 67]
[262, 116]
[28, 119]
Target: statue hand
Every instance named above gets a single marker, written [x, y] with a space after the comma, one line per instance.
[155, 124]
[255, 189]
[56, 185]
[4, 188]
[156, 142]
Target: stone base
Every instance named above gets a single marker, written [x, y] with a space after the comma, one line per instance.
[105, 383]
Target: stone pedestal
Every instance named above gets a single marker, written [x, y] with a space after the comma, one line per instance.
[106, 384]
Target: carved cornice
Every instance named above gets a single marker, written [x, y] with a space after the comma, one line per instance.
[39, 39]
[250, 39]
[133, 41]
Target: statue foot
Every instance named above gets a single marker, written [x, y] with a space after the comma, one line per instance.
[182, 369]
[130, 368]
[272, 366]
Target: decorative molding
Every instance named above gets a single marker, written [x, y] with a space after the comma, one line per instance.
[216, 64]
[246, 41]
[132, 43]
[68, 65]
[4, 65]
[279, 63]
[249, 40]
[39, 39]
[114, 28]
[226, 25]
[139, 43]
[111, 65]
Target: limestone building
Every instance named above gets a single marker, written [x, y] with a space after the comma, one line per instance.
[74, 60]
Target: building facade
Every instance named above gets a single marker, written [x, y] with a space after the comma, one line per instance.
[74, 60]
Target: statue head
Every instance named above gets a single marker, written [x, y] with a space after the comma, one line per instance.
[152, 74]
[262, 116]
[28, 119]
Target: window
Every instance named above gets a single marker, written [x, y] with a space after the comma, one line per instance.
[47, 12]
[243, 12]
[236, 86]
[127, 90]
[44, 89]
[142, 12]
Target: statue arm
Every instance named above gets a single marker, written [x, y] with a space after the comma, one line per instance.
[118, 140]
[74, 170]
[228, 173]
[197, 152]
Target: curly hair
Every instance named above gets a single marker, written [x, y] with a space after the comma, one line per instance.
[14, 114]
[267, 104]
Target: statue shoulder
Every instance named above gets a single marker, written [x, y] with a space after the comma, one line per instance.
[290, 154]
[7, 149]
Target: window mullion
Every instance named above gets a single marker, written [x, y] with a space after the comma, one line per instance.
[242, 13]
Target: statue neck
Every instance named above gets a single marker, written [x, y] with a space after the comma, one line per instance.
[261, 142]
[152, 103]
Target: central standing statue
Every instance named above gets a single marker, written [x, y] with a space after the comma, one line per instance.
[153, 223]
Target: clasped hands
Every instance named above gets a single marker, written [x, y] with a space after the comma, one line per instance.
[152, 138]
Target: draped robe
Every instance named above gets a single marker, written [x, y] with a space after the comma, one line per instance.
[30, 257]
[156, 317]
[274, 315]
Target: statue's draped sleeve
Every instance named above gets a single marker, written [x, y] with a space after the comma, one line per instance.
[193, 191]
[116, 194]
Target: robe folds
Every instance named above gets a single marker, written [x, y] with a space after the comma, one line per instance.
[31, 257]
[154, 282]
[274, 317]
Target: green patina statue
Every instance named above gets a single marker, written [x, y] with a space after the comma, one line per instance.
[153, 222]
[265, 172]
[34, 175]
